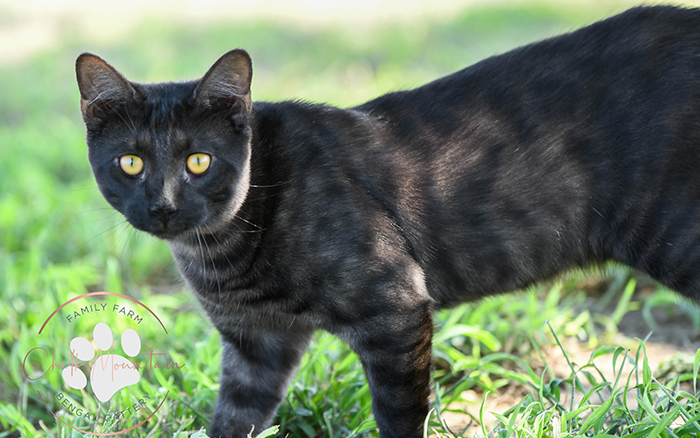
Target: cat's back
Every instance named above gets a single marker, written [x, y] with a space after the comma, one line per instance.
[504, 173]
[624, 89]
[548, 152]
[656, 39]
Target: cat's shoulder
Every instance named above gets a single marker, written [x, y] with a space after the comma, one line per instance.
[299, 117]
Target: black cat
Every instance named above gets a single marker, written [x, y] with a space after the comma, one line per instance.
[290, 217]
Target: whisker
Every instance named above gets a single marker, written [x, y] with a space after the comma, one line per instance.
[221, 247]
[259, 228]
[131, 121]
[134, 246]
[76, 189]
[256, 198]
[213, 265]
[119, 236]
[281, 183]
[130, 124]
[84, 245]
[201, 252]
[113, 212]
[248, 222]
[126, 273]
[240, 230]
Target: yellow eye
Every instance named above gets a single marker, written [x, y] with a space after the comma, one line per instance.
[131, 164]
[198, 163]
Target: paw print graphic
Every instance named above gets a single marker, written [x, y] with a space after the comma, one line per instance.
[110, 372]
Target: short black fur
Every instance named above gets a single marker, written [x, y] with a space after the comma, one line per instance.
[569, 152]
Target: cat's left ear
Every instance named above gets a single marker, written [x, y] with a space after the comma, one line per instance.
[227, 82]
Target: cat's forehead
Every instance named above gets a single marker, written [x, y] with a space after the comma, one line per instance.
[169, 139]
[167, 101]
[168, 91]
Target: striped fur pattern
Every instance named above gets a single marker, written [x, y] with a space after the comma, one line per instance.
[569, 152]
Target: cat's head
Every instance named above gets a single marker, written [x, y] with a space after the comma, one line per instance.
[171, 157]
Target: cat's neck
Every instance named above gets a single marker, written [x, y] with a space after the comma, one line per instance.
[233, 246]
[291, 144]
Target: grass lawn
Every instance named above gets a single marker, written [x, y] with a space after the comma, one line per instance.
[498, 369]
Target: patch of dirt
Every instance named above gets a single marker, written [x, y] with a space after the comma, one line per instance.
[674, 335]
[512, 394]
[675, 330]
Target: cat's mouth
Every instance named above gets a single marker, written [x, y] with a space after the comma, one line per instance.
[176, 223]
[168, 230]
[167, 234]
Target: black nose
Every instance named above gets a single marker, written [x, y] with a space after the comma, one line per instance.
[163, 212]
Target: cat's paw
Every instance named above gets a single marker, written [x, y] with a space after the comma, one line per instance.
[110, 372]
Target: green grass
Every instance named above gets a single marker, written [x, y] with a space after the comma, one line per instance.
[59, 239]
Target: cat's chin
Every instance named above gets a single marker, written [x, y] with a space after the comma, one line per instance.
[188, 234]
[181, 230]
[168, 235]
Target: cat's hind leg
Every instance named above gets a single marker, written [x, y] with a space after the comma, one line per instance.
[394, 345]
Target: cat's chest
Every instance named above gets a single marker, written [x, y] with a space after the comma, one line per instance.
[232, 311]
[236, 294]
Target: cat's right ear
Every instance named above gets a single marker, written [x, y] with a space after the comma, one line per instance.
[101, 86]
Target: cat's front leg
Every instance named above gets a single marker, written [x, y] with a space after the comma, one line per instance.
[256, 369]
[395, 351]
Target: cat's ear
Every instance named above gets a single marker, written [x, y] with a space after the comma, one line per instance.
[101, 85]
[227, 82]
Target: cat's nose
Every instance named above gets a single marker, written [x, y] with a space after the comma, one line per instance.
[163, 212]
